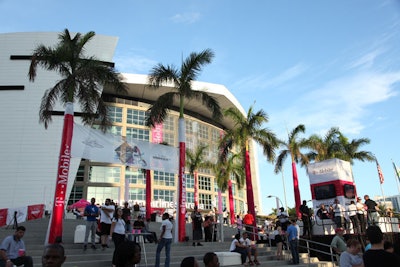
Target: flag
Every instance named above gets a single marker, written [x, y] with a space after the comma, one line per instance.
[396, 170]
[381, 178]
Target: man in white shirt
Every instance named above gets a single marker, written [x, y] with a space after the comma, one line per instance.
[106, 214]
[251, 249]
[352, 213]
[165, 240]
[361, 214]
[339, 213]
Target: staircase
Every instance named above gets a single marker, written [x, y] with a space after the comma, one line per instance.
[36, 231]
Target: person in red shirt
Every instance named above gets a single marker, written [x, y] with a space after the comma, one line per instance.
[248, 221]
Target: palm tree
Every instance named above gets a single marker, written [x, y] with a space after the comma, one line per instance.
[229, 167]
[249, 128]
[326, 147]
[351, 150]
[182, 80]
[335, 145]
[81, 81]
[293, 148]
[194, 161]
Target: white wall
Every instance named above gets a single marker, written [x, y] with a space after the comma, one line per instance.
[28, 152]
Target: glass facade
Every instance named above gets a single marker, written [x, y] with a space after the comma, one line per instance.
[102, 180]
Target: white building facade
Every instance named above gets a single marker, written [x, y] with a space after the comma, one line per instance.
[29, 153]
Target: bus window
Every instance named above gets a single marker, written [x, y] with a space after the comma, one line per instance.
[325, 191]
[349, 191]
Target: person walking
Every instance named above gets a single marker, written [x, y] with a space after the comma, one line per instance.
[248, 221]
[197, 221]
[117, 232]
[91, 213]
[126, 215]
[292, 235]
[165, 240]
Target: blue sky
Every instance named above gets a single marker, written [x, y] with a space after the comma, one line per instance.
[318, 63]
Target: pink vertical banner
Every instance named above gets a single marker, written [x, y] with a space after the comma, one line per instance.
[148, 194]
[297, 198]
[231, 204]
[196, 189]
[219, 201]
[157, 133]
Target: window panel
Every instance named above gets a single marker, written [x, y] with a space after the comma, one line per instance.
[135, 176]
[205, 199]
[139, 134]
[164, 178]
[115, 114]
[137, 193]
[166, 195]
[134, 116]
[104, 174]
[204, 183]
[102, 193]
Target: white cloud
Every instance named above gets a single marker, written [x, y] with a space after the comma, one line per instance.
[263, 81]
[343, 103]
[188, 18]
[134, 64]
[367, 60]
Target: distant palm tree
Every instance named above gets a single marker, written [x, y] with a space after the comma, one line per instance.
[194, 161]
[326, 147]
[182, 80]
[351, 150]
[336, 145]
[82, 79]
[231, 167]
[245, 129]
[293, 148]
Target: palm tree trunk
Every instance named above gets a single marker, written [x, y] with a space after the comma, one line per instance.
[196, 188]
[231, 204]
[148, 194]
[55, 231]
[296, 189]
[181, 225]
[249, 189]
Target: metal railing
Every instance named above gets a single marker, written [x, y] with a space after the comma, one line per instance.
[331, 253]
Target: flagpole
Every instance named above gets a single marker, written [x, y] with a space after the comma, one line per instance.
[396, 172]
[381, 178]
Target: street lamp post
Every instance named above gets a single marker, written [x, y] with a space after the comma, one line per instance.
[278, 200]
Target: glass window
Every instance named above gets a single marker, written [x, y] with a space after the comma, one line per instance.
[189, 197]
[325, 191]
[169, 138]
[76, 194]
[204, 183]
[138, 134]
[189, 181]
[134, 116]
[189, 127]
[135, 176]
[203, 131]
[234, 189]
[115, 130]
[241, 193]
[205, 199]
[115, 113]
[80, 174]
[166, 195]
[102, 193]
[104, 174]
[169, 123]
[164, 178]
[215, 136]
[349, 191]
[137, 194]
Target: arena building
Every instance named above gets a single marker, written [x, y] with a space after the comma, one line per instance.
[29, 152]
